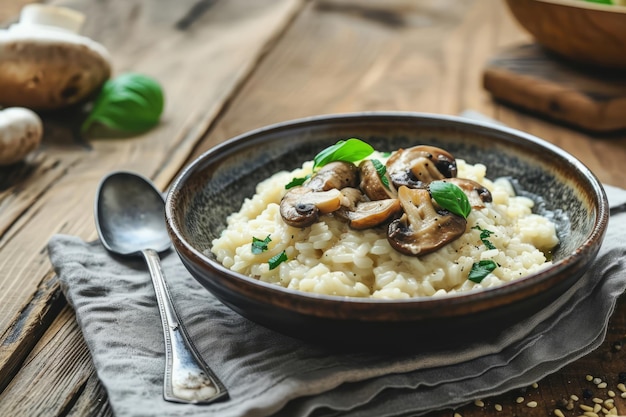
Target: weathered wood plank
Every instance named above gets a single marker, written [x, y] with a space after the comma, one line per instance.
[345, 56]
[199, 67]
[59, 356]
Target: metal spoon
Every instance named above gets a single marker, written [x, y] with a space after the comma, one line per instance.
[130, 218]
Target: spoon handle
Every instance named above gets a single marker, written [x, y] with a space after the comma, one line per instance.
[187, 378]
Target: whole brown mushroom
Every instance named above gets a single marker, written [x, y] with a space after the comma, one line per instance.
[45, 64]
[21, 130]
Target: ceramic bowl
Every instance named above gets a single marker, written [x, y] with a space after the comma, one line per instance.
[216, 184]
[585, 32]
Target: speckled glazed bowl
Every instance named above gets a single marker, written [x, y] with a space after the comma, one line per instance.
[215, 185]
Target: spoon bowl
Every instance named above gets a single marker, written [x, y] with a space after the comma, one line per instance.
[130, 215]
[130, 219]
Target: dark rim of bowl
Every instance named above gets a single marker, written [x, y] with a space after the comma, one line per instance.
[592, 239]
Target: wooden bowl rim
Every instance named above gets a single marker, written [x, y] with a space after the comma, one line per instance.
[581, 4]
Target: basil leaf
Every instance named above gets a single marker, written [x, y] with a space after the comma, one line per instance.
[130, 103]
[276, 260]
[296, 182]
[350, 150]
[481, 269]
[260, 246]
[450, 197]
[381, 170]
[484, 237]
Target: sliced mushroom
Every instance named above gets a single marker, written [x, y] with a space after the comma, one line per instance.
[338, 174]
[422, 229]
[350, 197]
[476, 193]
[372, 184]
[417, 166]
[45, 63]
[301, 206]
[370, 214]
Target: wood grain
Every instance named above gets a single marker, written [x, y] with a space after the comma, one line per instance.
[199, 66]
[228, 67]
[530, 77]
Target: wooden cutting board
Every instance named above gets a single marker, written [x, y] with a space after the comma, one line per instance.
[532, 78]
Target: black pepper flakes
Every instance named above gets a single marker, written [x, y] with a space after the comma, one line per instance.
[587, 393]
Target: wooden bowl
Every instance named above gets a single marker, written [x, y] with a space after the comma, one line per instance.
[216, 184]
[588, 33]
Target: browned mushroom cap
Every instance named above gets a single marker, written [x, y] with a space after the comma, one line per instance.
[45, 64]
[371, 183]
[338, 174]
[368, 214]
[422, 229]
[476, 193]
[417, 166]
[301, 206]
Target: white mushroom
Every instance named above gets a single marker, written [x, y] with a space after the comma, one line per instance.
[20, 133]
[45, 63]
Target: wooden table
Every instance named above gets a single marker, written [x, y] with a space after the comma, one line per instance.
[227, 67]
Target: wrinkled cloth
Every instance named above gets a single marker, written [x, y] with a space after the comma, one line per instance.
[269, 374]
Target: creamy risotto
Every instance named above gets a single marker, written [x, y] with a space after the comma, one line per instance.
[331, 257]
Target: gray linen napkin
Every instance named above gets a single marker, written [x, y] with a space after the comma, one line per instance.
[269, 374]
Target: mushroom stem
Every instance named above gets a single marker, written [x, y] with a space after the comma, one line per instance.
[52, 16]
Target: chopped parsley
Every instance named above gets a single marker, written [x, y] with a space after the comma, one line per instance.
[277, 260]
[481, 269]
[296, 182]
[484, 237]
[260, 246]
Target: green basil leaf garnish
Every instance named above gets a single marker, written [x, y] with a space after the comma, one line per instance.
[276, 260]
[450, 197]
[260, 246]
[481, 269]
[130, 103]
[350, 150]
[484, 237]
[381, 170]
